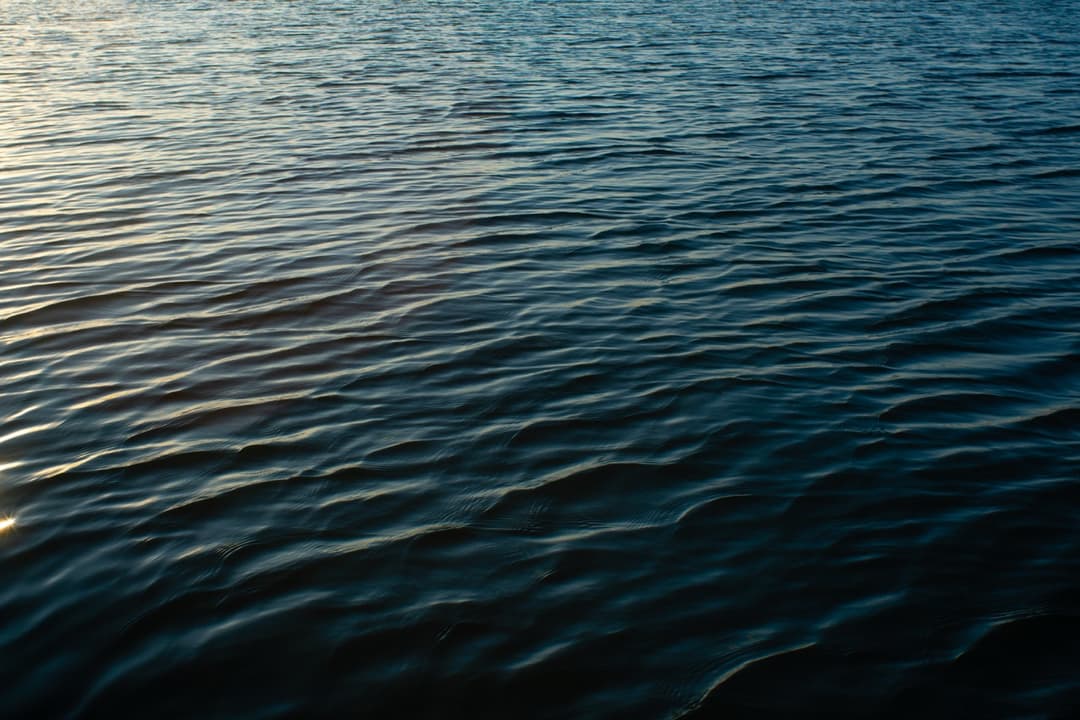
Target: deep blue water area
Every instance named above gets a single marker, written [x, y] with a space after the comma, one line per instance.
[522, 359]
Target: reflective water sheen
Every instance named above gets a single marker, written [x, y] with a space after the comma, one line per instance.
[599, 359]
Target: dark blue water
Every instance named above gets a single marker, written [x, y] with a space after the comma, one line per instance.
[605, 359]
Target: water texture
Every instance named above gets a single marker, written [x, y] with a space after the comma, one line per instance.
[599, 359]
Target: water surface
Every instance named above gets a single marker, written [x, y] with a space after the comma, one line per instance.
[606, 359]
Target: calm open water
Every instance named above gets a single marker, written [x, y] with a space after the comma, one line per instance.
[600, 359]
